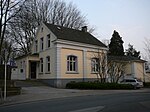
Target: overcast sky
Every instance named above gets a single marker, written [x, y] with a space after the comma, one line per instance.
[131, 18]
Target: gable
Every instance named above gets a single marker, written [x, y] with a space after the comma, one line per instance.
[42, 32]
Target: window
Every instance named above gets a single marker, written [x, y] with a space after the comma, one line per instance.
[94, 65]
[48, 63]
[41, 65]
[48, 41]
[21, 65]
[21, 70]
[42, 43]
[36, 46]
[72, 63]
[42, 29]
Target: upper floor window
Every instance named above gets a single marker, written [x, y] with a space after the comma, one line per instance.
[42, 43]
[94, 65]
[48, 63]
[72, 63]
[42, 29]
[48, 41]
[41, 65]
[21, 64]
[36, 46]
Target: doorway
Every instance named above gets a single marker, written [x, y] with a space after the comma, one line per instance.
[33, 70]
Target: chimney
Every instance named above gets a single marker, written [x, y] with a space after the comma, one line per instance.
[84, 28]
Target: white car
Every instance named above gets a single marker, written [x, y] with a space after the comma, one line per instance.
[135, 82]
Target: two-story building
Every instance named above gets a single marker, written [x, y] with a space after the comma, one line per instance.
[60, 55]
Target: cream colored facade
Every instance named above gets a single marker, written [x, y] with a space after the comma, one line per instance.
[49, 61]
[147, 77]
[58, 51]
[135, 69]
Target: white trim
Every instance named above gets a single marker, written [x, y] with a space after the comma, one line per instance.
[78, 44]
[58, 62]
[84, 64]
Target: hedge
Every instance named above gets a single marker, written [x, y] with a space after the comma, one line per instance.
[147, 84]
[10, 83]
[96, 85]
[10, 91]
[2, 72]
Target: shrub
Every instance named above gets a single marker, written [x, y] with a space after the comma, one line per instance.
[10, 83]
[97, 85]
[10, 91]
[147, 84]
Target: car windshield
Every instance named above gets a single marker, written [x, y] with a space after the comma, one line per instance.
[130, 81]
[139, 80]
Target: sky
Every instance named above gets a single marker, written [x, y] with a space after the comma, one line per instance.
[130, 18]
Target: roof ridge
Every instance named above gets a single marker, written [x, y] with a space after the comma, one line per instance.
[64, 27]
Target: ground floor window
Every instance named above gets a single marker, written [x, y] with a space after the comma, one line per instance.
[94, 65]
[48, 63]
[41, 65]
[72, 63]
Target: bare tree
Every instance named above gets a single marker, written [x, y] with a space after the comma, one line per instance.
[147, 48]
[116, 70]
[99, 65]
[57, 12]
[8, 10]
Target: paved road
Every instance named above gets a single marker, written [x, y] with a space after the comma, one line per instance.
[121, 102]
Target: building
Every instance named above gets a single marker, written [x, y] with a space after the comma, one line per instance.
[133, 67]
[60, 55]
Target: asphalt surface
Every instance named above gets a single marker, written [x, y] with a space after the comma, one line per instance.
[41, 98]
[120, 102]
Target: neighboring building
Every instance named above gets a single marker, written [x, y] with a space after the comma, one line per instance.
[147, 76]
[60, 55]
[147, 69]
[134, 67]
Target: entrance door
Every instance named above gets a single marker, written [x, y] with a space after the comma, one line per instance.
[33, 70]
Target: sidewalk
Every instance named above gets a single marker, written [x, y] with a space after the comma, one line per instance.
[32, 94]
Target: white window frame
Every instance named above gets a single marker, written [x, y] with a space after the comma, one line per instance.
[72, 63]
[94, 65]
[42, 43]
[48, 41]
[41, 65]
[48, 64]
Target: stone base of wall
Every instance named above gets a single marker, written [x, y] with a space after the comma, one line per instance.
[61, 83]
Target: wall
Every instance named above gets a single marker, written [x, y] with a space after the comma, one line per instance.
[64, 53]
[139, 70]
[147, 77]
[81, 64]
[16, 74]
[21, 71]
[128, 68]
[91, 54]
[46, 52]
